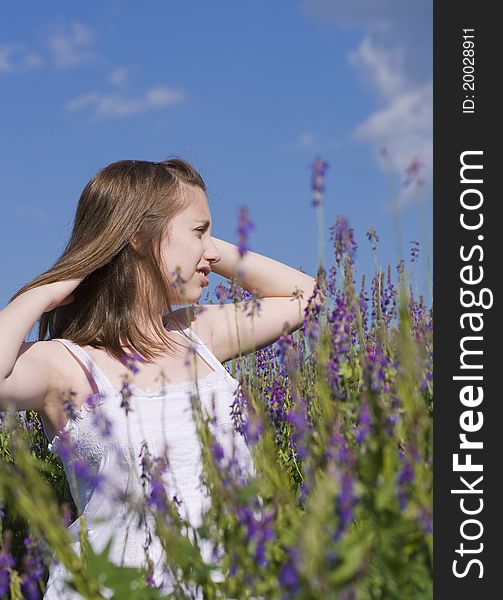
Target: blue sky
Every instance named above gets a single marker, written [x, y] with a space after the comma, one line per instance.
[250, 93]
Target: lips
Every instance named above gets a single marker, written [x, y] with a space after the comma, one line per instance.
[202, 276]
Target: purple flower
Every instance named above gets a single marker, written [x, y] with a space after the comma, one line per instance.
[238, 407]
[157, 499]
[131, 360]
[426, 520]
[253, 429]
[298, 418]
[33, 571]
[151, 473]
[404, 478]
[221, 292]
[125, 396]
[245, 225]
[258, 529]
[303, 493]
[84, 472]
[69, 406]
[414, 250]
[6, 563]
[289, 575]
[363, 423]
[375, 365]
[310, 325]
[372, 237]
[218, 451]
[340, 327]
[393, 417]
[264, 360]
[363, 303]
[389, 300]
[344, 502]
[406, 474]
[318, 167]
[332, 281]
[101, 422]
[413, 172]
[286, 353]
[348, 593]
[344, 243]
[337, 448]
[233, 567]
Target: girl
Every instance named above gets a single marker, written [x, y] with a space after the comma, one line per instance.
[141, 244]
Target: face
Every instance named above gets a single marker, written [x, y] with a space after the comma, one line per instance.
[190, 246]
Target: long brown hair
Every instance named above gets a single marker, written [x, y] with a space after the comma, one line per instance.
[124, 198]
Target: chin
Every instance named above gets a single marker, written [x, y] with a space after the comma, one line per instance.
[193, 298]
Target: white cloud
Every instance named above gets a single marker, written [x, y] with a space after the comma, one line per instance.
[306, 140]
[13, 58]
[403, 128]
[407, 113]
[83, 101]
[115, 105]
[70, 45]
[382, 67]
[403, 124]
[118, 76]
[163, 96]
[376, 14]
[394, 60]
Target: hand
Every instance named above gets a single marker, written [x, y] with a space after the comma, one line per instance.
[59, 293]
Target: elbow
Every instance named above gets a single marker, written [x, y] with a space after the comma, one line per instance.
[307, 287]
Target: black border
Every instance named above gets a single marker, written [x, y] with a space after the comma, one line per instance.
[455, 132]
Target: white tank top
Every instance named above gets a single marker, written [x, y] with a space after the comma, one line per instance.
[110, 443]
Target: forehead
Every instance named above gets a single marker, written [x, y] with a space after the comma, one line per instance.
[198, 208]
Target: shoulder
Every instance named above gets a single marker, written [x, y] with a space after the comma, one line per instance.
[63, 377]
[63, 371]
[37, 372]
[46, 352]
[58, 361]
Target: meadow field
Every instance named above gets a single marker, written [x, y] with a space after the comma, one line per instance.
[339, 419]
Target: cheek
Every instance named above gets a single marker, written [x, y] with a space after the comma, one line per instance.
[186, 260]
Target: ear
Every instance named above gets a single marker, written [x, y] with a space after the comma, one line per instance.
[135, 242]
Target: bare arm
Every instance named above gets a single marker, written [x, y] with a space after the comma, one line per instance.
[255, 271]
[25, 367]
[16, 321]
[233, 330]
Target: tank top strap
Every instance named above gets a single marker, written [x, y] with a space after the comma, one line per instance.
[95, 374]
[205, 352]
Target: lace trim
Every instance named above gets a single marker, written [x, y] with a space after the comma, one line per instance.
[78, 415]
[169, 387]
[95, 400]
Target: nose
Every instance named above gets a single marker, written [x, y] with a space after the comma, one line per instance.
[211, 253]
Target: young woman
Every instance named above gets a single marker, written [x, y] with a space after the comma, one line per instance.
[141, 244]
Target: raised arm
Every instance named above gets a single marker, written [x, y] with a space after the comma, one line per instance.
[25, 367]
[285, 292]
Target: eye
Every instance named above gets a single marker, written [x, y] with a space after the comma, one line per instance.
[201, 230]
